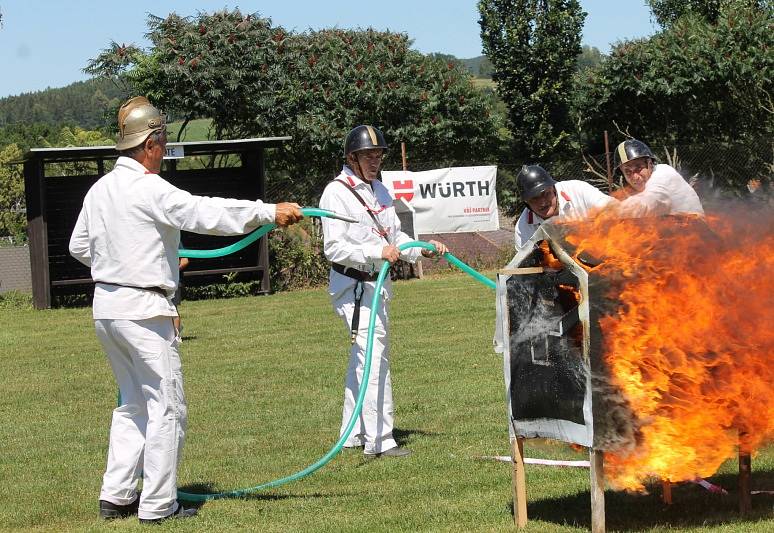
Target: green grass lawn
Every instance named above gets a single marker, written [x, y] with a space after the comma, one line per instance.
[195, 130]
[264, 379]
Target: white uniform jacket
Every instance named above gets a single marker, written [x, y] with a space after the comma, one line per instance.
[128, 232]
[577, 201]
[666, 193]
[360, 245]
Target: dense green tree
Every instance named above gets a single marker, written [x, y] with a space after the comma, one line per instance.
[533, 46]
[28, 135]
[666, 12]
[696, 83]
[256, 79]
[693, 81]
[13, 221]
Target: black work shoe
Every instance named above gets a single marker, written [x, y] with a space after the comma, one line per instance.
[180, 513]
[395, 452]
[111, 511]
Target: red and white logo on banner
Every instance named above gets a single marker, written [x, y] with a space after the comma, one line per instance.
[403, 189]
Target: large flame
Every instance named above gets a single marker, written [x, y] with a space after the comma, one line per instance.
[691, 344]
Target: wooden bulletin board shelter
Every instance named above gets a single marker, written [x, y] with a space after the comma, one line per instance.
[57, 179]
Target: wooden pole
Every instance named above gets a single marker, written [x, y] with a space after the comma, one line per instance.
[666, 491]
[416, 267]
[519, 483]
[609, 170]
[745, 475]
[597, 475]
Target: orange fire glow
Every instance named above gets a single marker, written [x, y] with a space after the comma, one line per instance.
[691, 345]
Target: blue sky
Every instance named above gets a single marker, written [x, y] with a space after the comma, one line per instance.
[46, 43]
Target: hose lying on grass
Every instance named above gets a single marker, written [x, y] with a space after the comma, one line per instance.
[194, 497]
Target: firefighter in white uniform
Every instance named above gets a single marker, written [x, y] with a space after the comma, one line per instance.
[128, 233]
[357, 253]
[658, 189]
[549, 199]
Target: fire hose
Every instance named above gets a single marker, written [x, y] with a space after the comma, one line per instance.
[257, 234]
[195, 497]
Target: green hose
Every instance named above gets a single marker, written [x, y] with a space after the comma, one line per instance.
[187, 496]
[257, 234]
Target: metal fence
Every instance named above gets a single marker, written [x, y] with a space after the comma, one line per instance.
[716, 170]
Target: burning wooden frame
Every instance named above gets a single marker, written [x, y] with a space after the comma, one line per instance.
[558, 300]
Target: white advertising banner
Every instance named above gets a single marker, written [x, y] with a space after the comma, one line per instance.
[448, 200]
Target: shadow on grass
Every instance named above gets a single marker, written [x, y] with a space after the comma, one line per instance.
[692, 506]
[404, 436]
[209, 488]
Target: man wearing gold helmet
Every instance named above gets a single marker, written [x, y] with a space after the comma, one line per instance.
[128, 233]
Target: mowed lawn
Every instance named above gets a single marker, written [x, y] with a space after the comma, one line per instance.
[264, 378]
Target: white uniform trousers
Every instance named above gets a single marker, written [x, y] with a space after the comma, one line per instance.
[148, 428]
[373, 429]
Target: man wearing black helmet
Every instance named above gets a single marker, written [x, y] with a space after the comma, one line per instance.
[357, 253]
[549, 199]
[657, 189]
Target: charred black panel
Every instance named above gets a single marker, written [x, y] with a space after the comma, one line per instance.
[548, 376]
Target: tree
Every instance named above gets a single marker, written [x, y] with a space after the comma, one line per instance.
[533, 46]
[13, 221]
[589, 57]
[691, 82]
[667, 12]
[256, 79]
[695, 82]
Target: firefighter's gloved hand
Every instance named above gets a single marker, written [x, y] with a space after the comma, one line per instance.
[390, 253]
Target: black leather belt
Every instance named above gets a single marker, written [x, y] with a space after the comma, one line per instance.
[354, 273]
[359, 289]
[157, 290]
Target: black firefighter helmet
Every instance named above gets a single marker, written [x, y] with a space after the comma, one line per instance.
[631, 149]
[532, 181]
[364, 138]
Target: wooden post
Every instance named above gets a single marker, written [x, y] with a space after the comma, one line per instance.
[37, 232]
[597, 475]
[745, 474]
[416, 267]
[666, 491]
[609, 170]
[519, 483]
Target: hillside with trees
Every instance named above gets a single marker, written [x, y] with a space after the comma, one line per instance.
[82, 104]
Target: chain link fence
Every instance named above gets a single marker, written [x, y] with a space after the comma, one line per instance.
[717, 171]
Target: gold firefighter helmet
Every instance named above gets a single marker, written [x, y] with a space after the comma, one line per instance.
[138, 119]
